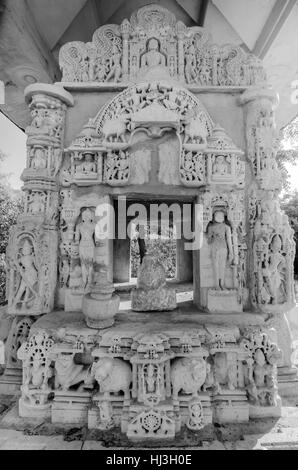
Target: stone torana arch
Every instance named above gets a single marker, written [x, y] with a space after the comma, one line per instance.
[155, 109]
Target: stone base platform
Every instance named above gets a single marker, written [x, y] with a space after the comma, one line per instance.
[186, 316]
[155, 373]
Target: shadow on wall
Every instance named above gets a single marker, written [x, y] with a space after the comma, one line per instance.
[2, 6]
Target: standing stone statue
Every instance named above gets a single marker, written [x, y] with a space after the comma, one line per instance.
[27, 290]
[220, 238]
[85, 237]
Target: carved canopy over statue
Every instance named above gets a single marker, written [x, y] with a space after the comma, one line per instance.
[153, 45]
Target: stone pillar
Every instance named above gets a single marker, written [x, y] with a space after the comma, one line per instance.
[181, 64]
[33, 244]
[125, 28]
[271, 246]
[104, 253]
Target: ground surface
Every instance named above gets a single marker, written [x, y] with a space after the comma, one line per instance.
[269, 434]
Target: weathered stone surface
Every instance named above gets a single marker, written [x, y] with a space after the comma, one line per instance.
[152, 293]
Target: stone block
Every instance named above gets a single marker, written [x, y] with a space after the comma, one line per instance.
[265, 411]
[223, 301]
[230, 409]
[69, 413]
[36, 412]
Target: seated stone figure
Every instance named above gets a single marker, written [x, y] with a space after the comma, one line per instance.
[152, 292]
[153, 62]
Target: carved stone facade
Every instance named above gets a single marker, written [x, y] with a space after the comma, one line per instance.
[144, 132]
[149, 384]
[154, 44]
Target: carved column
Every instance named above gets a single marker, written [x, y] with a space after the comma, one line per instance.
[261, 135]
[271, 243]
[33, 244]
[125, 28]
[180, 35]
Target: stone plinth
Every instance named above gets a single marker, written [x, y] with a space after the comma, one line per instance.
[152, 300]
[101, 305]
[132, 365]
[223, 301]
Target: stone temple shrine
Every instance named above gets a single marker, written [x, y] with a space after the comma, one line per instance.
[151, 111]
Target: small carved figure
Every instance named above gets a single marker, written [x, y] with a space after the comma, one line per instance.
[151, 379]
[259, 368]
[220, 167]
[190, 65]
[196, 415]
[123, 166]
[204, 73]
[220, 238]
[85, 70]
[115, 65]
[99, 70]
[38, 161]
[88, 166]
[27, 289]
[84, 235]
[153, 57]
[35, 386]
[64, 272]
[273, 272]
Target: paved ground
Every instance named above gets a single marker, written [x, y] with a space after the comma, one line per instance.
[16, 434]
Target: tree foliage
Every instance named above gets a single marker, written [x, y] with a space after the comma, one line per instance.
[11, 205]
[288, 150]
[289, 203]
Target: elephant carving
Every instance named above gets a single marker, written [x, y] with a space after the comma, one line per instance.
[115, 128]
[112, 375]
[188, 374]
[69, 374]
[220, 373]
